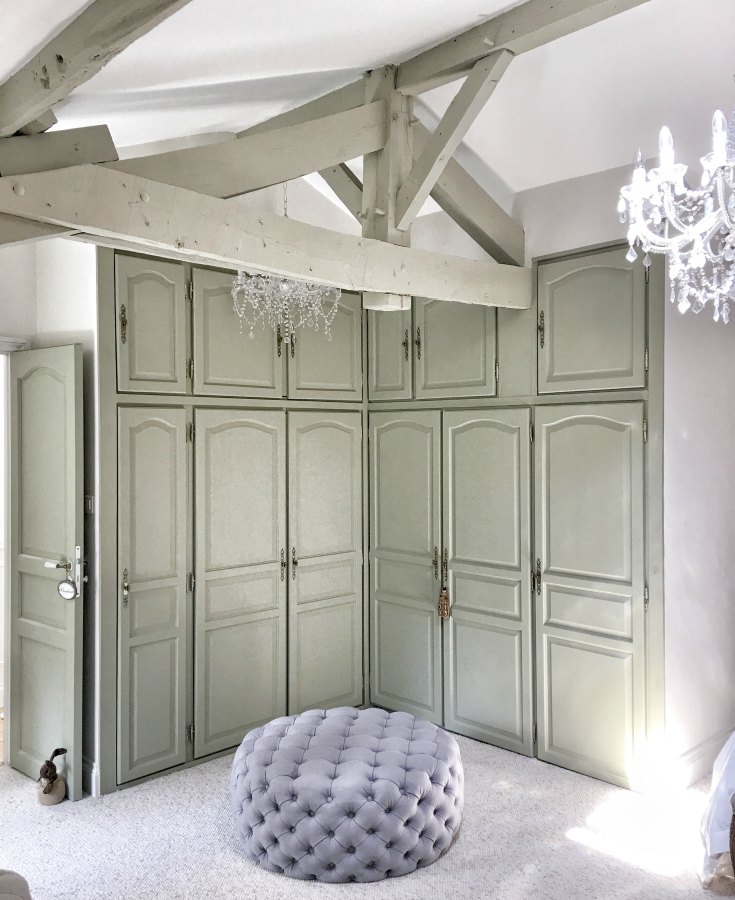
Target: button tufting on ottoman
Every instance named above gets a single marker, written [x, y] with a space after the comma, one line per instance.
[347, 794]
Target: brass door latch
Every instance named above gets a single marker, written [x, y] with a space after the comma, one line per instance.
[444, 608]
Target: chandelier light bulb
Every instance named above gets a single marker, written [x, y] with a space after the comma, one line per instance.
[719, 139]
[666, 154]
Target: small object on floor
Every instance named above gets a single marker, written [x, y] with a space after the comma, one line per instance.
[347, 794]
[13, 886]
[51, 788]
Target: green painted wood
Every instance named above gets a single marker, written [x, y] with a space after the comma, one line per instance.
[152, 357]
[320, 369]
[594, 309]
[405, 529]
[488, 655]
[390, 355]
[325, 588]
[240, 588]
[46, 524]
[152, 547]
[227, 361]
[458, 349]
[590, 629]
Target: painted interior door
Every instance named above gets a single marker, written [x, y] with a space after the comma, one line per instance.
[405, 536]
[455, 349]
[152, 599]
[390, 355]
[240, 588]
[325, 534]
[46, 527]
[592, 323]
[487, 639]
[320, 369]
[152, 340]
[589, 603]
[227, 361]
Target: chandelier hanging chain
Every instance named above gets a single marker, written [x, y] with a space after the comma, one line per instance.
[283, 303]
[694, 227]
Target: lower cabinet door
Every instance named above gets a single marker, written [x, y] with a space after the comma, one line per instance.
[589, 603]
[405, 536]
[152, 620]
[325, 586]
[488, 691]
[240, 583]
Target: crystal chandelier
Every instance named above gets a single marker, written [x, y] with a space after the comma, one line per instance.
[694, 227]
[282, 303]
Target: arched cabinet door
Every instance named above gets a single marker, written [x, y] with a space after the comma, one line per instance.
[592, 323]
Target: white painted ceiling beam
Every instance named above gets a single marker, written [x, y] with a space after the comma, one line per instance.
[77, 53]
[346, 185]
[14, 230]
[269, 157]
[98, 200]
[42, 152]
[520, 29]
[42, 123]
[461, 113]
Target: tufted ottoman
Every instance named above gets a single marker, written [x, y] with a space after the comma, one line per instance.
[347, 794]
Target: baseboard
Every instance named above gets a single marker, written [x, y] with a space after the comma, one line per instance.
[697, 762]
[90, 777]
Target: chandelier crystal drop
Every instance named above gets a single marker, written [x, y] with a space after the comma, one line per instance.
[695, 227]
[283, 304]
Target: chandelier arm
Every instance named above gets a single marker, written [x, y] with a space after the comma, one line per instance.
[688, 232]
[729, 220]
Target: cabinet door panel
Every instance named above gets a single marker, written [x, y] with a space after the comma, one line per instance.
[320, 369]
[594, 323]
[240, 588]
[227, 360]
[487, 639]
[457, 353]
[151, 325]
[325, 530]
[405, 528]
[152, 525]
[590, 607]
[390, 356]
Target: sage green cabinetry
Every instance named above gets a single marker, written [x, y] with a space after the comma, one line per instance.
[152, 325]
[590, 587]
[325, 534]
[240, 586]
[152, 609]
[592, 333]
[439, 350]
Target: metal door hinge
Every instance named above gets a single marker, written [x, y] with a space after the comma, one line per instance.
[190, 369]
[190, 432]
[497, 374]
[190, 732]
[645, 431]
[541, 329]
[190, 291]
[123, 324]
[531, 433]
[647, 273]
[533, 581]
[88, 505]
[190, 582]
[645, 360]
[645, 599]
[535, 733]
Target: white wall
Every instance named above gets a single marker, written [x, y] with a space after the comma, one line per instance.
[18, 290]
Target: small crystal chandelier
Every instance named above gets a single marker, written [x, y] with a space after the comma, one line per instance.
[282, 303]
[694, 227]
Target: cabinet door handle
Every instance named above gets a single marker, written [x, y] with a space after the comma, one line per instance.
[541, 329]
[406, 345]
[538, 577]
[284, 565]
[444, 608]
[125, 587]
[418, 343]
[279, 340]
[123, 324]
[294, 563]
[435, 563]
[293, 346]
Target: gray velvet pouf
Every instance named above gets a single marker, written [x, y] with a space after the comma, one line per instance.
[346, 794]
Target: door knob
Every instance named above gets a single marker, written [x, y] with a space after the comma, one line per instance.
[52, 564]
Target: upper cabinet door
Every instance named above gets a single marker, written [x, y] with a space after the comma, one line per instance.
[454, 345]
[592, 324]
[390, 356]
[150, 297]
[320, 369]
[325, 588]
[228, 361]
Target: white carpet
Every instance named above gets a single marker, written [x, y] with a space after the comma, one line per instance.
[529, 830]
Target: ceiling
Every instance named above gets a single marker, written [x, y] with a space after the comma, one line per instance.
[577, 106]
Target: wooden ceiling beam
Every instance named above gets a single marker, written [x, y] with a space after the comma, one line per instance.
[42, 123]
[461, 113]
[98, 200]
[42, 152]
[263, 158]
[347, 186]
[74, 55]
[14, 230]
[520, 29]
